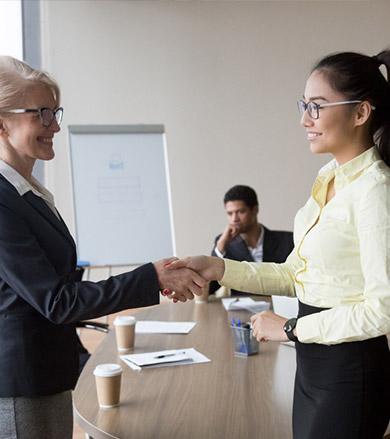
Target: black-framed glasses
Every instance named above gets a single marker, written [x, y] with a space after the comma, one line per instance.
[313, 109]
[47, 115]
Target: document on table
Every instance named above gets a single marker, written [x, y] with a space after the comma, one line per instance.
[288, 343]
[171, 357]
[158, 327]
[246, 303]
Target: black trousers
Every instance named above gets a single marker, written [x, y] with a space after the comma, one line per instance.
[341, 391]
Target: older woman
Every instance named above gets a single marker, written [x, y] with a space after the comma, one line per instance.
[39, 297]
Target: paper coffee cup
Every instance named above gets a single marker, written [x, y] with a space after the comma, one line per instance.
[125, 332]
[108, 384]
[204, 298]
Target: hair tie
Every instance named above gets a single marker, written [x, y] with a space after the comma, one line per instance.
[385, 71]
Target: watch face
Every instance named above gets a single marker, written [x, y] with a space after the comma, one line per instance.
[290, 325]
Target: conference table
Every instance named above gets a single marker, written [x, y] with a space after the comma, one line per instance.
[229, 397]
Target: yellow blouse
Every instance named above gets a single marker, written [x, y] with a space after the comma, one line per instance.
[341, 258]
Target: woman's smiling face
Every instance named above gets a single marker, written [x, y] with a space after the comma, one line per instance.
[333, 131]
[23, 135]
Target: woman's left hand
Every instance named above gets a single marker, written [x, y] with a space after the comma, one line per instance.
[268, 326]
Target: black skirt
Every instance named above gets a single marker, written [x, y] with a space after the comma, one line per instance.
[341, 391]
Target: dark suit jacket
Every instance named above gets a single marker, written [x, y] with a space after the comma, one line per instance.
[40, 300]
[277, 246]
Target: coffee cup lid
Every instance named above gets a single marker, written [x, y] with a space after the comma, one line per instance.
[107, 370]
[125, 320]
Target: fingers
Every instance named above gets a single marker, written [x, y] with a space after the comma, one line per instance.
[255, 317]
[233, 231]
[180, 297]
[193, 290]
[198, 280]
[176, 263]
[257, 327]
[187, 281]
[195, 283]
[268, 326]
[172, 294]
[181, 280]
[258, 334]
[170, 260]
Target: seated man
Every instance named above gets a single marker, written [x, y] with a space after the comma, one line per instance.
[244, 238]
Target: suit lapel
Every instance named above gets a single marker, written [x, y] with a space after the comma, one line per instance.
[239, 250]
[40, 205]
[269, 246]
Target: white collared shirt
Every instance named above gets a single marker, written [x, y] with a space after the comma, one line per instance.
[23, 186]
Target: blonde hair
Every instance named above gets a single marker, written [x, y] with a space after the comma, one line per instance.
[16, 77]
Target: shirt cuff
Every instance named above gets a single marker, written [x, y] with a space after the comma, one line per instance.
[308, 329]
[218, 253]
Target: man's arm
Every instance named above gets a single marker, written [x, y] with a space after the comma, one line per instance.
[224, 239]
[219, 249]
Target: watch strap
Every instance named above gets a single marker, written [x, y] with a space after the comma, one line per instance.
[289, 327]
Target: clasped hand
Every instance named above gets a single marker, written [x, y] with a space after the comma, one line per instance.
[184, 278]
[268, 326]
[180, 284]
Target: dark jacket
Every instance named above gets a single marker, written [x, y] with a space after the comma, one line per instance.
[40, 300]
[277, 245]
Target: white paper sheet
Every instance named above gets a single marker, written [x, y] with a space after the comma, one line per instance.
[158, 327]
[171, 357]
[244, 303]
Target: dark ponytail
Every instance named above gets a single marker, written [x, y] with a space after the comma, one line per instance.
[359, 77]
[382, 137]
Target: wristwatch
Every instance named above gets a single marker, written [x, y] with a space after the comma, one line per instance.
[289, 327]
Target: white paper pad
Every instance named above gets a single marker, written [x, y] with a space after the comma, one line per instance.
[246, 303]
[157, 327]
[171, 357]
[288, 343]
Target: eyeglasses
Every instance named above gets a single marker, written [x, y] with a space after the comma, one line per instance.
[313, 108]
[47, 115]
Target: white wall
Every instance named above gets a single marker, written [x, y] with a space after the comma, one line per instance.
[11, 42]
[223, 77]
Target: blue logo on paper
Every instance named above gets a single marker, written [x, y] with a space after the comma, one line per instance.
[116, 163]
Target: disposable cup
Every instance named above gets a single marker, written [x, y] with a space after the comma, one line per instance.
[204, 298]
[108, 384]
[125, 332]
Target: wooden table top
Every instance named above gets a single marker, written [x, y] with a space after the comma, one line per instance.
[230, 397]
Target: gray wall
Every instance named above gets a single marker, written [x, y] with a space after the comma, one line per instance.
[223, 78]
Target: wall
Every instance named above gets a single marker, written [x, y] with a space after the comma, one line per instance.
[223, 77]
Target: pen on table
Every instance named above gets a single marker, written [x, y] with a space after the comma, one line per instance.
[233, 301]
[169, 355]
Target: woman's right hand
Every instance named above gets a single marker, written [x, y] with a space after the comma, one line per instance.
[209, 267]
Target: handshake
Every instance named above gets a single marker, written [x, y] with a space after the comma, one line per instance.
[181, 279]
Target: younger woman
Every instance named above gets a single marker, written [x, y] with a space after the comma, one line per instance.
[340, 266]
